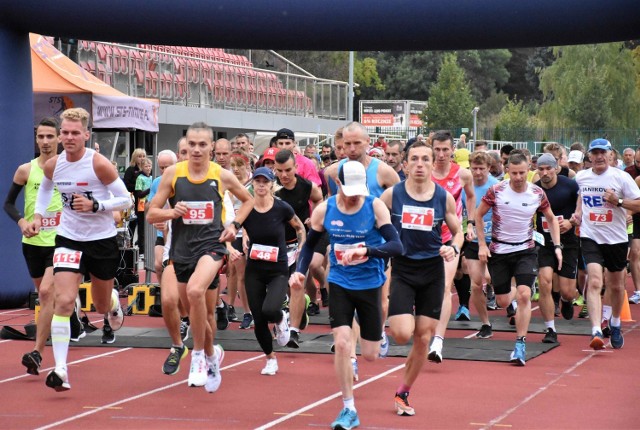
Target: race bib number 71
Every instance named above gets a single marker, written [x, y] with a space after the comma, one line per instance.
[417, 218]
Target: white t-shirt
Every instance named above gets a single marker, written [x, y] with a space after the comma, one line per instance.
[603, 222]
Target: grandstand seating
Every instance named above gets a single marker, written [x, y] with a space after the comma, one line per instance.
[179, 74]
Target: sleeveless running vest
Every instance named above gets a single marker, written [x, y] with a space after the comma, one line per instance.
[451, 183]
[372, 178]
[78, 177]
[47, 235]
[419, 223]
[356, 229]
[199, 230]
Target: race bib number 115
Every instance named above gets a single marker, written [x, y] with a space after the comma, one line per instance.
[67, 258]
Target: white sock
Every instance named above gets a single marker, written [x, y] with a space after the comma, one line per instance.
[514, 303]
[437, 342]
[60, 334]
[615, 321]
[595, 330]
[550, 324]
[198, 353]
[349, 404]
[606, 312]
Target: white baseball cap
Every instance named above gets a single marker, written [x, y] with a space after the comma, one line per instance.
[354, 179]
[575, 157]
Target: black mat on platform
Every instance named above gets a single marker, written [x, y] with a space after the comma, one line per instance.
[244, 340]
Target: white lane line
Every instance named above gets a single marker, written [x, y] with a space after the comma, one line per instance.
[136, 397]
[326, 399]
[14, 310]
[93, 357]
[494, 422]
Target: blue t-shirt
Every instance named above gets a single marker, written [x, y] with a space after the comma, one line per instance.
[480, 191]
[152, 192]
[348, 231]
[372, 178]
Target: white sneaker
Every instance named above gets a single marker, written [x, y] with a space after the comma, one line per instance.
[635, 298]
[271, 368]
[58, 379]
[198, 371]
[435, 352]
[214, 377]
[115, 316]
[282, 330]
[384, 346]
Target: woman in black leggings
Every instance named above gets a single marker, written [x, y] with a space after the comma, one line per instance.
[267, 273]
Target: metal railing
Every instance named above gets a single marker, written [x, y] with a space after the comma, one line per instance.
[189, 80]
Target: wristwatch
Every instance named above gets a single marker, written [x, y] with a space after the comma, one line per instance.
[456, 249]
[559, 246]
[96, 206]
[237, 225]
[620, 201]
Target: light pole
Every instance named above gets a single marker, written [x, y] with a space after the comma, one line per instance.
[474, 112]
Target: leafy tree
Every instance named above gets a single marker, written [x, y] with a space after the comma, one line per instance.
[365, 73]
[450, 100]
[513, 121]
[486, 70]
[591, 86]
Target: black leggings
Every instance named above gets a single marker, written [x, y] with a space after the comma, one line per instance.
[266, 291]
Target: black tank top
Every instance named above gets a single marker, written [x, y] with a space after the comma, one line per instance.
[298, 199]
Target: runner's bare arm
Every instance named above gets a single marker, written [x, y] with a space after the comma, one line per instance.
[387, 197]
[231, 183]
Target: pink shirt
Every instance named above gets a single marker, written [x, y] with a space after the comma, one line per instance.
[307, 169]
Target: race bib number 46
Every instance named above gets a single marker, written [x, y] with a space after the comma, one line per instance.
[601, 216]
[198, 213]
[66, 258]
[50, 221]
[264, 253]
[417, 218]
[340, 248]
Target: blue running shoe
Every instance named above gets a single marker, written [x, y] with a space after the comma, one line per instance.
[617, 340]
[597, 342]
[463, 314]
[347, 419]
[518, 356]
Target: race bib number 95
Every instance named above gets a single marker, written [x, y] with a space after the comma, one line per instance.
[198, 213]
[67, 258]
[417, 218]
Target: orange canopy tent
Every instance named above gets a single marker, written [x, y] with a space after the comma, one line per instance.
[59, 84]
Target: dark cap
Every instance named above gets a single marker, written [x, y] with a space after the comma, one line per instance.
[285, 133]
[265, 172]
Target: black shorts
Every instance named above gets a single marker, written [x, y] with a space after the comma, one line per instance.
[636, 226]
[417, 284]
[547, 258]
[322, 245]
[100, 258]
[343, 304]
[523, 265]
[159, 240]
[237, 245]
[38, 258]
[185, 270]
[471, 250]
[612, 257]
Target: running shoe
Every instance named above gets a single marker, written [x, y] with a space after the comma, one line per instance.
[635, 298]
[617, 340]
[222, 316]
[271, 368]
[294, 340]
[232, 314]
[491, 298]
[282, 330]
[556, 308]
[463, 314]
[510, 310]
[214, 377]
[535, 297]
[584, 312]
[247, 321]
[485, 332]
[402, 405]
[347, 419]
[108, 336]
[566, 309]
[550, 336]
[115, 316]
[354, 367]
[198, 371]
[32, 361]
[579, 301]
[597, 341]
[313, 309]
[58, 379]
[304, 322]
[171, 365]
[384, 346]
[324, 296]
[518, 356]
[77, 328]
[606, 331]
[185, 326]
[435, 353]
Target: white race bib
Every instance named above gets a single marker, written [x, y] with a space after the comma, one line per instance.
[601, 216]
[538, 238]
[198, 213]
[292, 253]
[417, 218]
[67, 258]
[264, 253]
[340, 248]
[50, 221]
[545, 223]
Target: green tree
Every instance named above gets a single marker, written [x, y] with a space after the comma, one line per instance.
[591, 86]
[365, 74]
[450, 100]
[513, 121]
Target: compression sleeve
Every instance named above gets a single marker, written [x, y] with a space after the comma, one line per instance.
[306, 253]
[10, 202]
[120, 200]
[45, 192]
[391, 247]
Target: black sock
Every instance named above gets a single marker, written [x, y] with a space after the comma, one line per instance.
[556, 297]
[521, 339]
[186, 319]
[463, 287]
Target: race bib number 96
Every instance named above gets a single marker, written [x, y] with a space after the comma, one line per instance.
[50, 221]
[417, 218]
[66, 258]
[198, 213]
